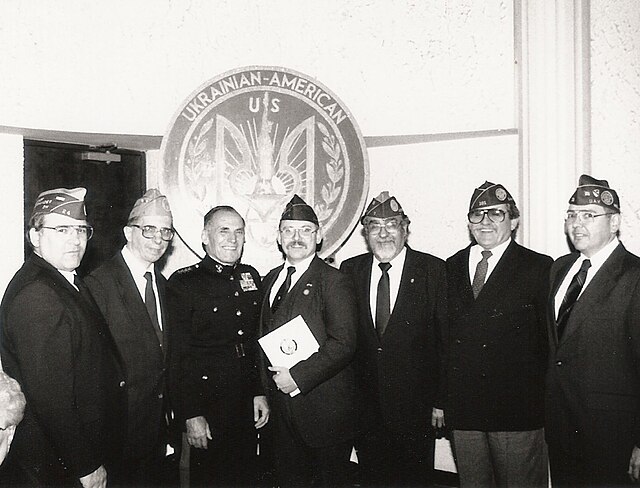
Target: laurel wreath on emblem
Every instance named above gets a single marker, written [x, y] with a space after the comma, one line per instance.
[335, 171]
[198, 165]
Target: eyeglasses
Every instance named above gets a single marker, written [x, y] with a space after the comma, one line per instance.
[83, 231]
[391, 226]
[150, 231]
[495, 215]
[303, 231]
[585, 217]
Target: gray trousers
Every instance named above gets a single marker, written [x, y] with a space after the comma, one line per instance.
[501, 459]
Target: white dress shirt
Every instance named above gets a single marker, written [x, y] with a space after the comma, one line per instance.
[597, 260]
[301, 268]
[138, 269]
[475, 256]
[395, 275]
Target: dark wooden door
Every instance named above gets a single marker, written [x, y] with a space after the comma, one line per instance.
[112, 189]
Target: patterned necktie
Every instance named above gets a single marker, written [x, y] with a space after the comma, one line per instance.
[284, 288]
[383, 300]
[571, 296]
[150, 303]
[481, 273]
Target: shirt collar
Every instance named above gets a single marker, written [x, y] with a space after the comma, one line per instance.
[398, 259]
[602, 255]
[496, 252]
[302, 266]
[137, 267]
[216, 267]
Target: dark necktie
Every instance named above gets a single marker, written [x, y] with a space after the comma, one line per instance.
[570, 297]
[150, 303]
[481, 273]
[82, 288]
[284, 288]
[383, 300]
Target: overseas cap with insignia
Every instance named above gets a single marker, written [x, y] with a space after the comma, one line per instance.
[597, 192]
[152, 203]
[489, 194]
[297, 209]
[382, 207]
[61, 201]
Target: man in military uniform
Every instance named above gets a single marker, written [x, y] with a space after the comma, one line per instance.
[215, 309]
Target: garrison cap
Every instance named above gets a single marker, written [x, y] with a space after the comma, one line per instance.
[63, 201]
[152, 203]
[597, 192]
[297, 209]
[489, 194]
[383, 207]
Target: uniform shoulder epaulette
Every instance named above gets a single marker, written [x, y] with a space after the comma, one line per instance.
[188, 269]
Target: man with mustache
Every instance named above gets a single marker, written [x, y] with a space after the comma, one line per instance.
[55, 342]
[215, 307]
[312, 401]
[497, 348]
[401, 298]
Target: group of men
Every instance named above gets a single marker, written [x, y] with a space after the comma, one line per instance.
[526, 361]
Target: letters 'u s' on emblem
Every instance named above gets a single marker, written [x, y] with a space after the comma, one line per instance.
[252, 138]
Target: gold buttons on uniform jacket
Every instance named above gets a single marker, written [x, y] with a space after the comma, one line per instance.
[215, 309]
[240, 332]
[238, 313]
[122, 383]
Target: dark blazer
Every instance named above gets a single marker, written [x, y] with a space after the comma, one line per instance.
[497, 348]
[56, 344]
[399, 377]
[593, 380]
[115, 292]
[324, 410]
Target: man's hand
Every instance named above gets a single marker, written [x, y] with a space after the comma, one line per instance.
[198, 432]
[260, 411]
[283, 380]
[437, 418]
[634, 464]
[97, 479]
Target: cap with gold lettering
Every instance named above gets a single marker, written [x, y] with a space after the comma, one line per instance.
[489, 194]
[596, 192]
[63, 201]
[152, 203]
[297, 209]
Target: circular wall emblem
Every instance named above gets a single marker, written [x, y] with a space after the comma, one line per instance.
[252, 138]
[288, 346]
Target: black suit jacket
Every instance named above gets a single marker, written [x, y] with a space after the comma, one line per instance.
[57, 345]
[115, 292]
[497, 348]
[324, 410]
[399, 376]
[593, 380]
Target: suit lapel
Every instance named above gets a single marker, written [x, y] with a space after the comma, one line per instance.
[131, 297]
[265, 313]
[599, 286]
[363, 289]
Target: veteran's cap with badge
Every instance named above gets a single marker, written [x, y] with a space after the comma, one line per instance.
[63, 201]
[152, 203]
[489, 194]
[297, 209]
[383, 206]
[596, 192]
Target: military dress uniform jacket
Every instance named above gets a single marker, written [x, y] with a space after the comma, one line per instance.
[215, 311]
[139, 343]
[55, 343]
[593, 380]
[497, 349]
[323, 412]
[398, 377]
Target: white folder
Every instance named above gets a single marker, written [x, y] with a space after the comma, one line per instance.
[290, 343]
